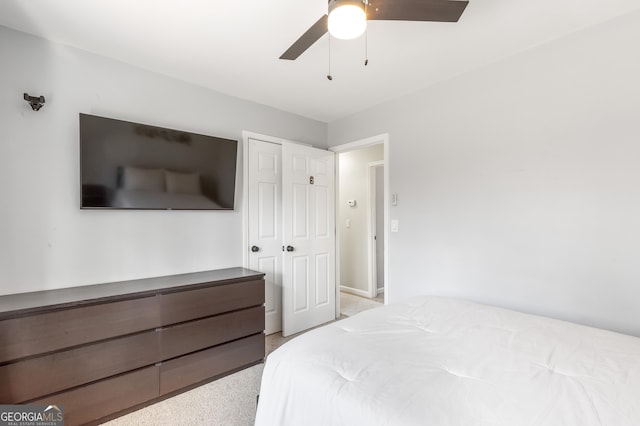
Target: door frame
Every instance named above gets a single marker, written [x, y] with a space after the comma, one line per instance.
[372, 214]
[350, 146]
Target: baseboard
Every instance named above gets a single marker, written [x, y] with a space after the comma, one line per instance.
[357, 292]
[380, 290]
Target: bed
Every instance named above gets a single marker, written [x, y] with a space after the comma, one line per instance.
[440, 361]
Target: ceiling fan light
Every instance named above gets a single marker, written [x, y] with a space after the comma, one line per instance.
[347, 21]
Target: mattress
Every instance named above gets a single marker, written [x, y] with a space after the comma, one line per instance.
[440, 361]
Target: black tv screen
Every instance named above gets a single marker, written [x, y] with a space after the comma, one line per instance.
[126, 165]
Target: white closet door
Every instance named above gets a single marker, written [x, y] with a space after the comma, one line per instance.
[308, 195]
[265, 225]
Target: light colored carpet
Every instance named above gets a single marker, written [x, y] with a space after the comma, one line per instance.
[351, 304]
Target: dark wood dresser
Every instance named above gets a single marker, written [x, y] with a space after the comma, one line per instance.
[102, 350]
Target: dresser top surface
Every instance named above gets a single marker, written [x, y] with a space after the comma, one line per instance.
[18, 304]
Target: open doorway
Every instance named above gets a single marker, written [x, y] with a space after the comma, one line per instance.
[360, 223]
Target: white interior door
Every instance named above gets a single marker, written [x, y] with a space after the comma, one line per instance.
[308, 190]
[265, 225]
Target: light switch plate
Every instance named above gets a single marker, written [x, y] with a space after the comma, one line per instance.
[395, 223]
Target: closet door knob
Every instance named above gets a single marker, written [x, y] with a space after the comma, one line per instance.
[289, 248]
[255, 249]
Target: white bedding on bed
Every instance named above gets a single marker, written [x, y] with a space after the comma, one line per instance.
[439, 361]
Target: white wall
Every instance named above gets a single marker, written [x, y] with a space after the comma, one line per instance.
[46, 241]
[353, 185]
[519, 183]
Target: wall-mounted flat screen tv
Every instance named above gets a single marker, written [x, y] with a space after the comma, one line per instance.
[126, 165]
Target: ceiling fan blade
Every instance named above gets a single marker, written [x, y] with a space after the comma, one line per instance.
[415, 10]
[307, 39]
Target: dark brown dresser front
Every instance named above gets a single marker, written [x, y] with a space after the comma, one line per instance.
[103, 350]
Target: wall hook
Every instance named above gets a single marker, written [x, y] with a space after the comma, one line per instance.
[36, 102]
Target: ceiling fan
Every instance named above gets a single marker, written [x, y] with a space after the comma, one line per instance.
[347, 19]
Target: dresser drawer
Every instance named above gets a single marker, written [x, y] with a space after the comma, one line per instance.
[42, 333]
[52, 373]
[192, 304]
[190, 369]
[193, 336]
[97, 400]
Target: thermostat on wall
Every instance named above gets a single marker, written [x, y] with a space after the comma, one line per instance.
[352, 203]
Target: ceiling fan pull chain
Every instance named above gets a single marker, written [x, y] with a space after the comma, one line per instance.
[366, 38]
[329, 77]
[366, 48]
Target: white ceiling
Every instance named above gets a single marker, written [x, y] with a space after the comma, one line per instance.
[233, 46]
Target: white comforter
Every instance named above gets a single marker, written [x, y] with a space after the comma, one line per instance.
[438, 361]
